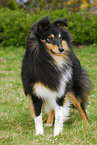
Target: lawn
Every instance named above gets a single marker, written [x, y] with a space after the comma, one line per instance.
[16, 123]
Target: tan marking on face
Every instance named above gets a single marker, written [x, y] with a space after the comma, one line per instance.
[32, 107]
[77, 104]
[65, 46]
[52, 47]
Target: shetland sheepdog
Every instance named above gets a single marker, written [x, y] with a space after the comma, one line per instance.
[52, 75]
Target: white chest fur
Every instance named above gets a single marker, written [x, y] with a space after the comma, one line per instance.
[49, 96]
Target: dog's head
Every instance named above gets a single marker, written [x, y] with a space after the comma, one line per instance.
[52, 34]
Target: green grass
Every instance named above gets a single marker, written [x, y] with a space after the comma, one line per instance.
[16, 123]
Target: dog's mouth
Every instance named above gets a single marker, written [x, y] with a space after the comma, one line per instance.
[59, 52]
[55, 52]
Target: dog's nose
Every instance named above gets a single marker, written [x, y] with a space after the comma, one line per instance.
[61, 49]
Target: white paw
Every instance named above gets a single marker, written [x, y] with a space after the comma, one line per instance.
[57, 131]
[39, 125]
[39, 131]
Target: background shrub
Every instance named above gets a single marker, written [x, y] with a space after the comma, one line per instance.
[11, 4]
[15, 25]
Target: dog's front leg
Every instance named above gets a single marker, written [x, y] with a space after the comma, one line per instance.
[38, 125]
[36, 107]
[58, 120]
[59, 116]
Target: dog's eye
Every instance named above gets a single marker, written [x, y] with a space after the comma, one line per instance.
[51, 38]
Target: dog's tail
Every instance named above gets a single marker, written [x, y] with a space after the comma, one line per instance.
[82, 86]
[81, 90]
[85, 85]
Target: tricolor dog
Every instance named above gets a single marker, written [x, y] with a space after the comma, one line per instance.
[52, 75]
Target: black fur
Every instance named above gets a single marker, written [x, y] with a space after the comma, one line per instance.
[60, 101]
[37, 104]
[38, 64]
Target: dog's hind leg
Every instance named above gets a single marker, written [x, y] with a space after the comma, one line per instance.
[77, 103]
[50, 119]
[36, 107]
[82, 112]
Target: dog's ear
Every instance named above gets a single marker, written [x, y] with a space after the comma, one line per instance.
[61, 22]
[43, 24]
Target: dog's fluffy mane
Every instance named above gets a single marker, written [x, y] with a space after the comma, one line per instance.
[36, 53]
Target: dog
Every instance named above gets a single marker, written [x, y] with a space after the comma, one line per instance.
[52, 75]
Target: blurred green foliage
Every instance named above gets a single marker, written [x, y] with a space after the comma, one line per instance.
[15, 25]
[72, 5]
[11, 4]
